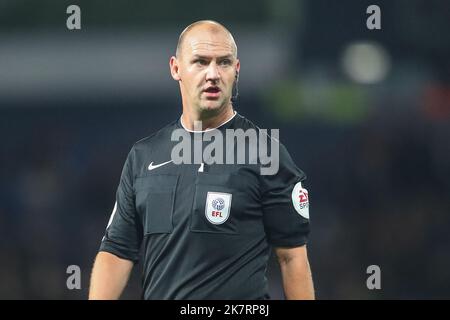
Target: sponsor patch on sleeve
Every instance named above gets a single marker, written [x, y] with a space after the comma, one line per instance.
[300, 200]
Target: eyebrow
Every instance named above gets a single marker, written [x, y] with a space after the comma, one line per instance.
[197, 56]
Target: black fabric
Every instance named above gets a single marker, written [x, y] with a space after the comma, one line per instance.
[185, 255]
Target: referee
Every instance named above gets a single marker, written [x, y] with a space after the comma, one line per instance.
[205, 230]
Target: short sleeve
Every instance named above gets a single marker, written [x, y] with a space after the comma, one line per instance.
[123, 234]
[285, 204]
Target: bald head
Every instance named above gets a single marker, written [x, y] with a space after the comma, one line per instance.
[204, 27]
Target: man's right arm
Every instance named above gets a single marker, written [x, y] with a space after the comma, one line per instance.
[109, 276]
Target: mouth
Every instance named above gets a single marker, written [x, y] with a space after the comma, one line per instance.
[212, 92]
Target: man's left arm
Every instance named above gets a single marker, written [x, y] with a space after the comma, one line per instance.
[296, 273]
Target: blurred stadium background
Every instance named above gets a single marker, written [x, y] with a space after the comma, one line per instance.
[365, 113]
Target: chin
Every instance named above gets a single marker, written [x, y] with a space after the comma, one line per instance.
[212, 106]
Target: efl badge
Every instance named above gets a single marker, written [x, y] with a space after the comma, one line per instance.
[300, 200]
[218, 207]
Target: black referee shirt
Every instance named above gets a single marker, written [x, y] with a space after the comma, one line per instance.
[206, 232]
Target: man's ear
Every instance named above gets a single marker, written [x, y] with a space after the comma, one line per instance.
[174, 69]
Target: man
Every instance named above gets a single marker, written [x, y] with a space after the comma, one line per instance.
[205, 229]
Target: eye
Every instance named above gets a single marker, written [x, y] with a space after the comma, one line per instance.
[225, 62]
[201, 62]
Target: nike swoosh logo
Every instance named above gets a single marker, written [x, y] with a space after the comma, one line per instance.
[152, 167]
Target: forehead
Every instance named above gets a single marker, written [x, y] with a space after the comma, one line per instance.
[208, 42]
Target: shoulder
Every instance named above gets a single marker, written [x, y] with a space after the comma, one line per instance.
[155, 139]
[242, 122]
[269, 139]
[271, 135]
[145, 148]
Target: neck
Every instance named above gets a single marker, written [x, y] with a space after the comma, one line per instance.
[208, 122]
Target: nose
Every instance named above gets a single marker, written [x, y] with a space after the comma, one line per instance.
[212, 73]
